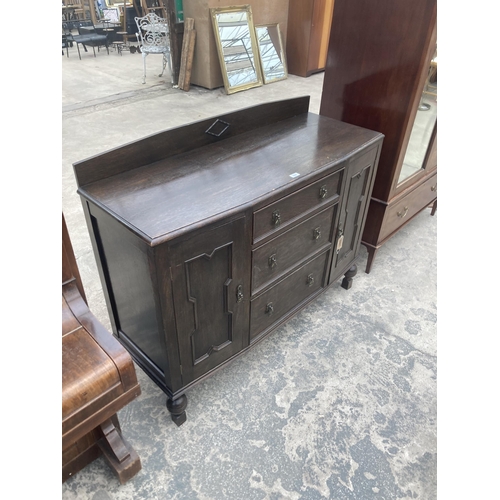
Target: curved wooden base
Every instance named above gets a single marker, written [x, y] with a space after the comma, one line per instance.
[348, 276]
[177, 409]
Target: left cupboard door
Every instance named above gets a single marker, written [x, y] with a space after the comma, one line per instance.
[211, 288]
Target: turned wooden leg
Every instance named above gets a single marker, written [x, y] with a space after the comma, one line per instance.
[348, 276]
[121, 457]
[177, 409]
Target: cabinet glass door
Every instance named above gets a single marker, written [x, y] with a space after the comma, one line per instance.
[423, 126]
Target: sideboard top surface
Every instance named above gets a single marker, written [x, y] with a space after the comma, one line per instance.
[163, 198]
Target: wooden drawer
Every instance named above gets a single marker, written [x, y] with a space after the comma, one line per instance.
[278, 256]
[408, 206]
[285, 211]
[280, 300]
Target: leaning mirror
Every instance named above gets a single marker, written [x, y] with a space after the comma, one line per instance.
[272, 56]
[237, 47]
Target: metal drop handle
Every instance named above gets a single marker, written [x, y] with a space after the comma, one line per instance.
[323, 191]
[239, 293]
[310, 280]
[272, 260]
[403, 212]
[317, 233]
[276, 218]
[269, 308]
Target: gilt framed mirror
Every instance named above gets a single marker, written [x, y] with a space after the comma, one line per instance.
[237, 47]
[272, 55]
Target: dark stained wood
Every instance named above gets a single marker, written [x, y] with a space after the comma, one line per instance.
[359, 182]
[277, 216]
[276, 257]
[179, 140]
[152, 198]
[207, 270]
[173, 239]
[278, 301]
[378, 61]
[98, 379]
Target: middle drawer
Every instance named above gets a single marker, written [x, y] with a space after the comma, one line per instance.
[281, 254]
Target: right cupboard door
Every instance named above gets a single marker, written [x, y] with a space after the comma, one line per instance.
[353, 212]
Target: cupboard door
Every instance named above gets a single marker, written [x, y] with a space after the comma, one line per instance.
[211, 286]
[357, 194]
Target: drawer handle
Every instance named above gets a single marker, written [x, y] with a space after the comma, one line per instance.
[434, 188]
[239, 293]
[323, 191]
[310, 280]
[272, 260]
[269, 308]
[403, 212]
[276, 218]
[317, 233]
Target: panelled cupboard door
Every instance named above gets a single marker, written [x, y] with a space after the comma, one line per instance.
[359, 174]
[211, 289]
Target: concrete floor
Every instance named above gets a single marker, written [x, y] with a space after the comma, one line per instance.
[339, 403]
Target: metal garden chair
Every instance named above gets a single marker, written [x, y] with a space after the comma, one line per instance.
[153, 38]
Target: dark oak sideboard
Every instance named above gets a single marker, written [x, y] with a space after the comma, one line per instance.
[209, 236]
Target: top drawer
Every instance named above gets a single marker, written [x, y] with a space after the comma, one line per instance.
[282, 213]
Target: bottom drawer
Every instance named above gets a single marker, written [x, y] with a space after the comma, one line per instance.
[408, 206]
[282, 298]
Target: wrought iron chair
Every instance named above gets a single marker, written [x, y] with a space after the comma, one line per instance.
[153, 38]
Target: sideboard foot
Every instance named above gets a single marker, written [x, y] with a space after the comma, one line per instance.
[177, 409]
[348, 276]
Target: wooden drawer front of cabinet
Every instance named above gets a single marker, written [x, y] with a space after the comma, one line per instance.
[283, 297]
[285, 211]
[281, 254]
[408, 206]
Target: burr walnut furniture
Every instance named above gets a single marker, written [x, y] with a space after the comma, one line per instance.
[98, 379]
[209, 236]
[376, 77]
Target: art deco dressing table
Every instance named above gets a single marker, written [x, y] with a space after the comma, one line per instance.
[210, 235]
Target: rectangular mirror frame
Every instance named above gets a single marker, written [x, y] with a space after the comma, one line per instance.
[281, 53]
[255, 48]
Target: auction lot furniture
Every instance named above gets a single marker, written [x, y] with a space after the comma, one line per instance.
[377, 76]
[209, 236]
[98, 379]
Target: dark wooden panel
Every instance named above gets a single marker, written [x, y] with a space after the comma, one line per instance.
[125, 261]
[286, 295]
[178, 140]
[358, 184]
[207, 270]
[278, 256]
[377, 57]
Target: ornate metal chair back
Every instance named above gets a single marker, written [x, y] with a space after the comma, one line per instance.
[153, 33]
